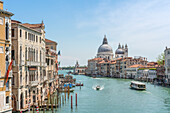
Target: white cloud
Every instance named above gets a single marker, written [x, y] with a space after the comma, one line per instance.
[143, 25]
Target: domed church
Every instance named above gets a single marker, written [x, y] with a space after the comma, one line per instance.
[121, 51]
[105, 50]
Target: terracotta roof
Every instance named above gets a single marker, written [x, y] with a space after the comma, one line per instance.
[118, 58]
[113, 63]
[136, 66]
[15, 21]
[102, 62]
[49, 41]
[33, 25]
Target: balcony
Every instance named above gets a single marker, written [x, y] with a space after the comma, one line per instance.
[43, 64]
[33, 83]
[22, 62]
[32, 63]
[45, 78]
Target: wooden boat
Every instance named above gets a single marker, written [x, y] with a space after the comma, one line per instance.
[97, 87]
[79, 84]
[63, 90]
[137, 85]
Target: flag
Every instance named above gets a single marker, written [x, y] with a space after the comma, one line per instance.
[59, 53]
[9, 69]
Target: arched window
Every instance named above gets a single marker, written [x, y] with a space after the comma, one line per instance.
[20, 54]
[7, 31]
[26, 53]
[7, 99]
[40, 56]
[20, 33]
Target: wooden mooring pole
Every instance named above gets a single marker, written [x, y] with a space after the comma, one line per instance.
[71, 102]
[76, 99]
[68, 91]
[62, 99]
[33, 107]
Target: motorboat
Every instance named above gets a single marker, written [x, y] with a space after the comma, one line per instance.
[79, 84]
[137, 85]
[98, 87]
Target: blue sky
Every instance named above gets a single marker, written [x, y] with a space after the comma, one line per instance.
[78, 26]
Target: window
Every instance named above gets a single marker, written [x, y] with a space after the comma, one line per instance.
[21, 78]
[168, 52]
[40, 56]
[168, 62]
[36, 38]
[37, 55]
[25, 53]
[7, 100]
[7, 86]
[51, 47]
[13, 55]
[51, 62]
[26, 78]
[25, 35]
[1, 20]
[13, 32]
[1, 49]
[7, 31]
[20, 54]
[13, 80]
[26, 93]
[40, 39]
[20, 33]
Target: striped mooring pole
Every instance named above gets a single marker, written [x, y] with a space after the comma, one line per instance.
[37, 110]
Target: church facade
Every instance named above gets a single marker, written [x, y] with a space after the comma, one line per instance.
[105, 64]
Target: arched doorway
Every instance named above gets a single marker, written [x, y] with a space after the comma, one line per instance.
[14, 103]
[21, 101]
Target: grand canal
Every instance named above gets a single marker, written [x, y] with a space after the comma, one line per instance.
[116, 97]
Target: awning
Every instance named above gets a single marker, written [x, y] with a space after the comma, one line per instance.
[32, 69]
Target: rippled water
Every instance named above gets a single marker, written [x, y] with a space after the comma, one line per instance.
[116, 97]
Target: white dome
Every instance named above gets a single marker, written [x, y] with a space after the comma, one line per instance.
[105, 48]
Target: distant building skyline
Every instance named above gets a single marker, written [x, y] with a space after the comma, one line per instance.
[78, 27]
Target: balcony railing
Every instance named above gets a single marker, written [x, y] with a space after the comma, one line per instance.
[32, 63]
[33, 83]
[45, 78]
[43, 64]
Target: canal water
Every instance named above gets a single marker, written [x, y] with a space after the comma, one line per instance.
[115, 97]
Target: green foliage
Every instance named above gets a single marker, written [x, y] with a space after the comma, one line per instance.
[147, 68]
[160, 59]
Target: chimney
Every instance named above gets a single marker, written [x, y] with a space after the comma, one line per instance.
[1, 5]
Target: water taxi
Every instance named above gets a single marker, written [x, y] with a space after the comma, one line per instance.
[137, 85]
[97, 87]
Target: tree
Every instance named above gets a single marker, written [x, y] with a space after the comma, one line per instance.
[160, 59]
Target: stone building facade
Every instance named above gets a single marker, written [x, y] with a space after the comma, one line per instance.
[167, 64]
[5, 60]
[29, 72]
[52, 66]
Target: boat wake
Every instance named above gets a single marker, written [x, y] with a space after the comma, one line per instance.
[94, 87]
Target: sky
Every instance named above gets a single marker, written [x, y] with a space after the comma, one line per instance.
[79, 26]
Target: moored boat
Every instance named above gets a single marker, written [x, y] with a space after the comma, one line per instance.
[137, 85]
[79, 84]
[63, 90]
